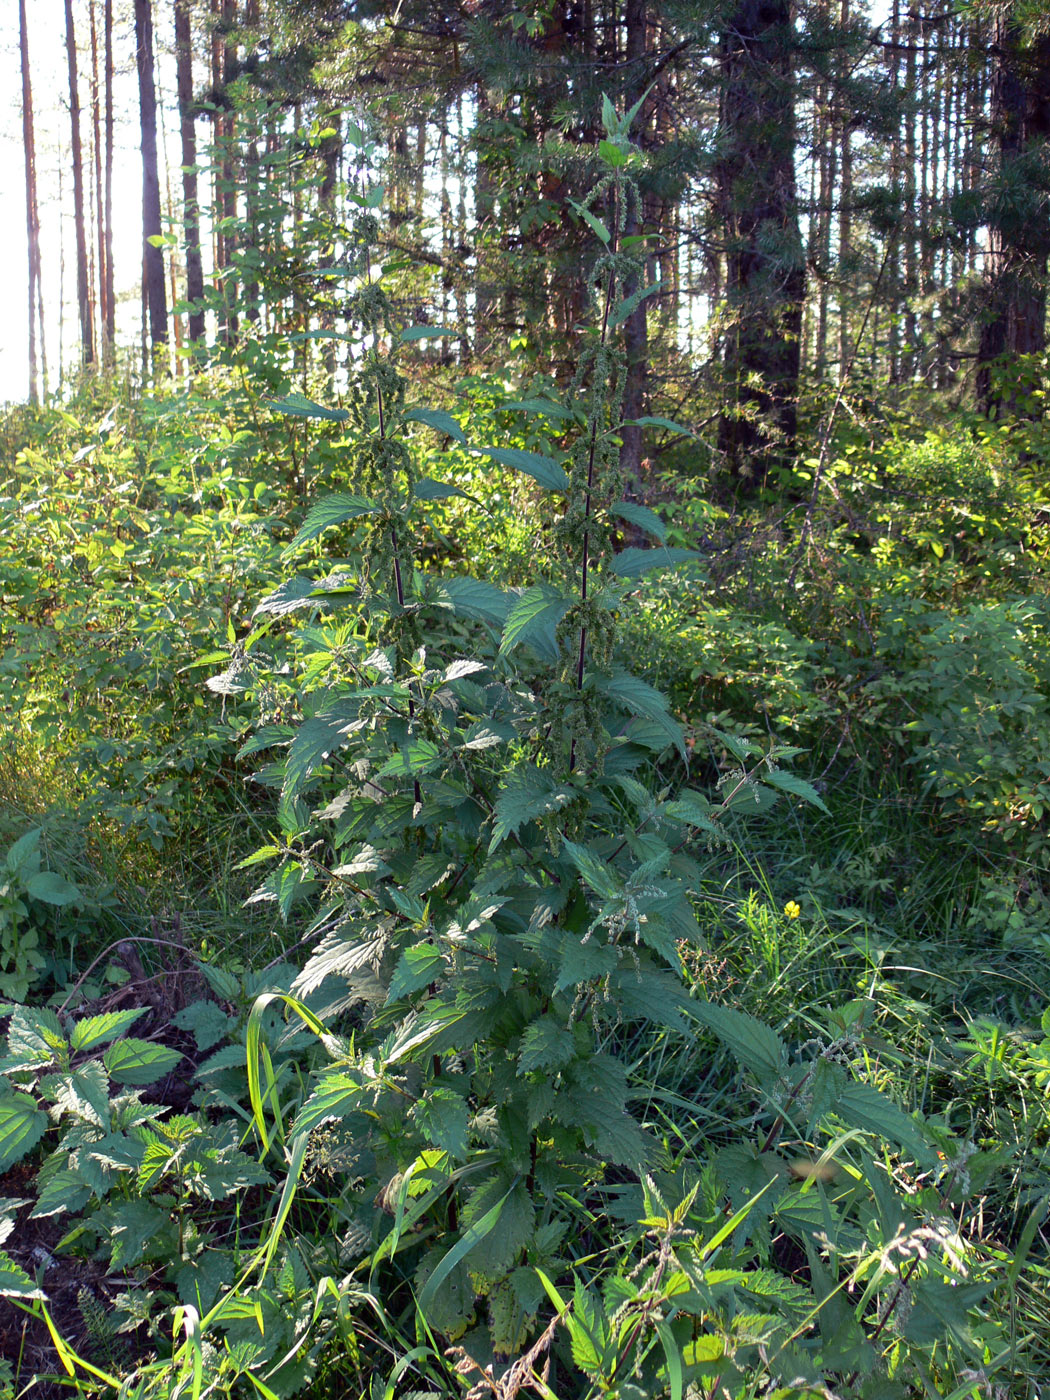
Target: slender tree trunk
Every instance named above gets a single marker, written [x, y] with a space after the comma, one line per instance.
[229, 188]
[911, 262]
[32, 207]
[99, 194]
[110, 297]
[636, 331]
[87, 336]
[1019, 237]
[191, 214]
[153, 257]
[765, 267]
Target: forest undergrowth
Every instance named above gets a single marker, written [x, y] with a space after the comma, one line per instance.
[467, 930]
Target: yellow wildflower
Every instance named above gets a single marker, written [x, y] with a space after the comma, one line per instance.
[791, 910]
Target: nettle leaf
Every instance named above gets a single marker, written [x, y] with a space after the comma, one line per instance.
[862, 1106]
[547, 1044]
[439, 419]
[584, 962]
[753, 1044]
[50, 888]
[798, 787]
[34, 1038]
[556, 411]
[630, 304]
[315, 741]
[208, 1023]
[97, 1030]
[15, 1282]
[634, 563]
[338, 956]
[22, 1125]
[642, 518]
[323, 514]
[336, 1095]
[545, 470]
[595, 224]
[61, 1191]
[427, 489]
[293, 595]
[639, 698]
[648, 421]
[499, 1246]
[297, 405]
[414, 333]
[535, 616]
[442, 1117]
[596, 873]
[473, 597]
[139, 1062]
[528, 792]
[418, 967]
[420, 756]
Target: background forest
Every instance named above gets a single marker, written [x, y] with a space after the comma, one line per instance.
[526, 704]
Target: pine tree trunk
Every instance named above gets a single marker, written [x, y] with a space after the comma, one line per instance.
[99, 194]
[32, 207]
[229, 188]
[765, 267]
[1019, 229]
[87, 335]
[153, 257]
[636, 332]
[110, 297]
[191, 216]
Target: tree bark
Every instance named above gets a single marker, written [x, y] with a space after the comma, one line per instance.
[110, 299]
[765, 268]
[1019, 219]
[636, 328]
[153, 258]
[87, 335]
[99, 196]
[191, 215]
[32, 207]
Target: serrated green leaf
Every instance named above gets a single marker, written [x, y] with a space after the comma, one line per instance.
[15, 1282]
[22, 1125]
[315, 741]
[642, 518]
[639, 698]
[798, 787]
[862, 1106]
[630, 304]
[544, 406]
[299, 406]
[648, 421]
[633, 563]
[427, 489]
[472, 597]
[419, 756]
[549, 473]
[535, 615]
[413, 333]
[479, 1229]
[336, 1095]
[612, 154]
[547, 1044]
[418, 966]
[595, 872]
[63, 1190]
[97, 1030]
[439, 419]
[50, 888]
[138, 1062]
[753, 1044]
[442, 1116]
[595, 224]
[527, 793]
[329, 511]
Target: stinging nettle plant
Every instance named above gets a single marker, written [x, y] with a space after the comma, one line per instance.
[491, 815]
